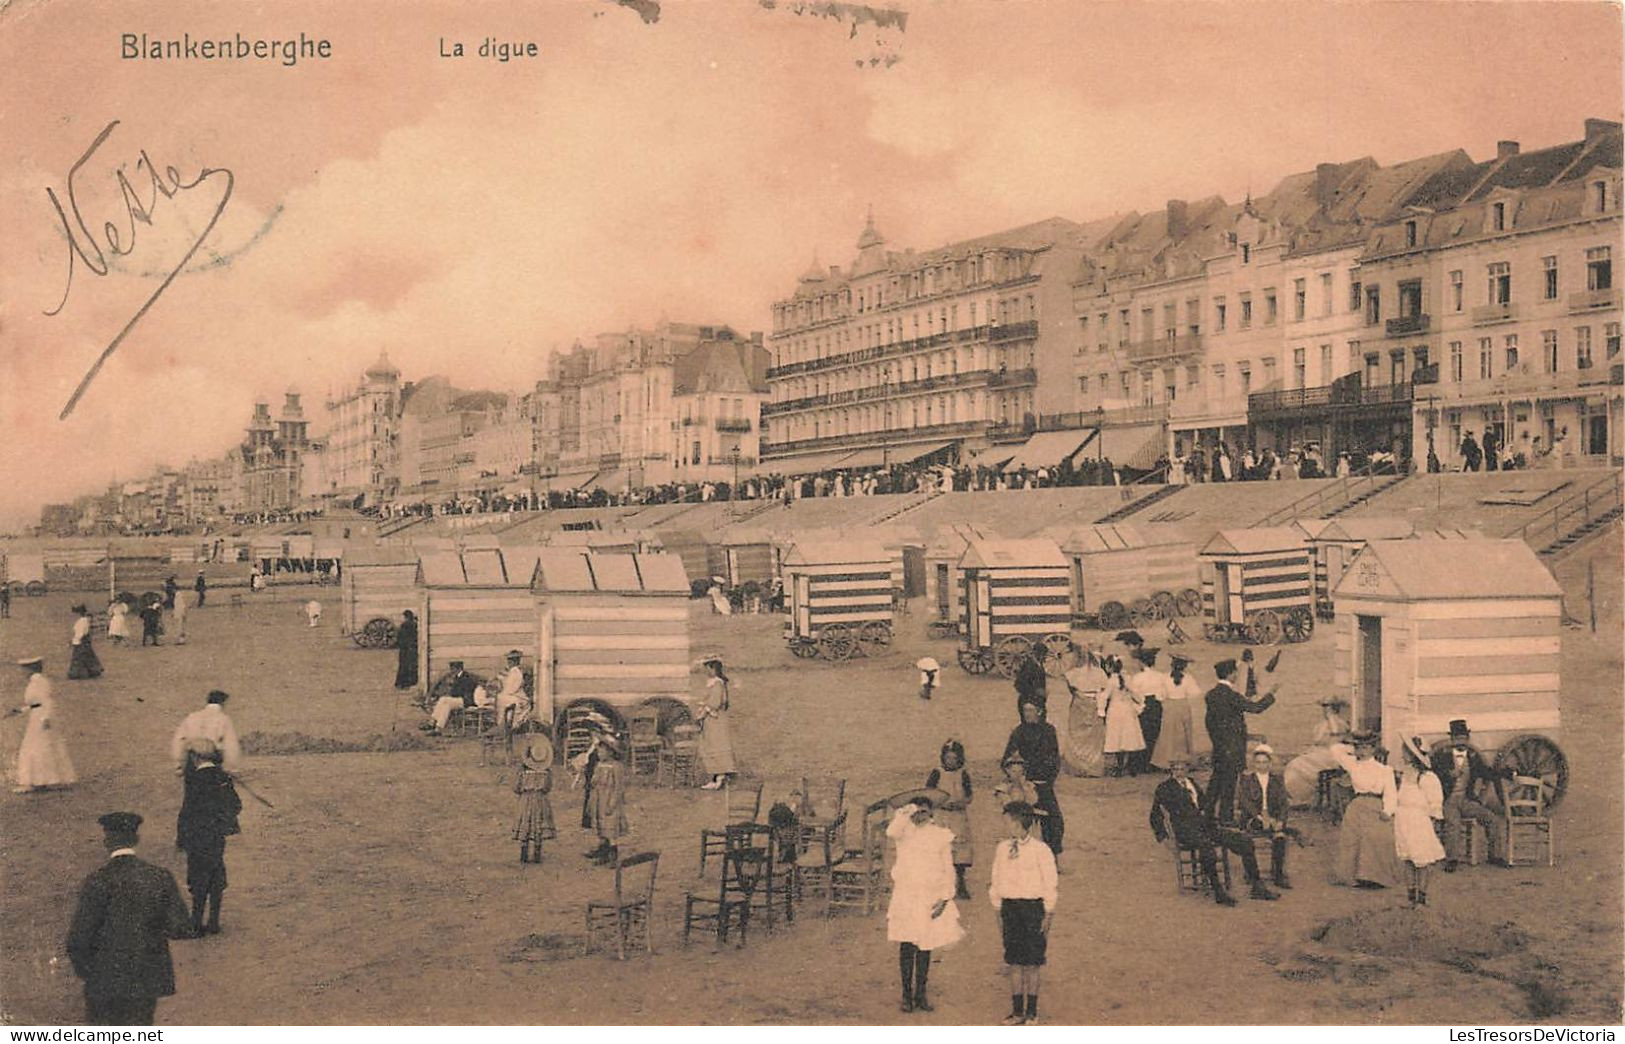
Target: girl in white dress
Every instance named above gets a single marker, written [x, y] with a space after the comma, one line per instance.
[42, 760]
[118, 622]
[922, 916]
[1419, 807]
[1123, 736]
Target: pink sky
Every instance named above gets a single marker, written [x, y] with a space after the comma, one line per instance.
[470, 216]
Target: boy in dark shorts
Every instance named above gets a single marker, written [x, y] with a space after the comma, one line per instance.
[1024, 893]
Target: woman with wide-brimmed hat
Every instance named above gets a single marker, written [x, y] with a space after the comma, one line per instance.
[42, 760]
[1365, 843]
[1418, 809]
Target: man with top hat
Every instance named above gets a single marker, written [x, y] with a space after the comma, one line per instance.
[453, 692]
[128, 911]
[1262, 808]
[1179, 808]
[1468, 782]
[1226, 721]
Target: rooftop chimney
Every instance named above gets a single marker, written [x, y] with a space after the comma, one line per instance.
[1597, 128]
[1326, 180]
[1178, 221]
[1505, 149]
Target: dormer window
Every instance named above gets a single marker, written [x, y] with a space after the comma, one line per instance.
[1599, 195]
[1498, 217]
[1410, 233]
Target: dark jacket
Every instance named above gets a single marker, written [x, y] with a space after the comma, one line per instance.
[1227, 712]
[1250, 802]
[1039, 747]
[119, 942]
[1171, 805]
[209, 811]
[1480, 775]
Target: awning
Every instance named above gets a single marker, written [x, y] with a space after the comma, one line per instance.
[992, 457]
[1136, 446]
[919, 453]
[1049, 448]
[873, 457]
[808, 465]
[613, 481]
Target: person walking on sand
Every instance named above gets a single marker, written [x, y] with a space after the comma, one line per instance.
[406, 650]
[82, 661]
[42, 760]
[118, 622]
[716, 735]
[209, 810]
[313, 612]
[152, 621]
[921, 916]
[929, 669]
[953, 778]
[1024, 890]
[201, 585]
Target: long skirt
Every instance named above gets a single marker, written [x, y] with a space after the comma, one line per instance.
[406, 667]
[1178, 736]
[82, 661]
[42, 760]
[1365, 845]
[908, 919]
[1021, 922]
[535, 821]
[1084, 737]
[717, 745]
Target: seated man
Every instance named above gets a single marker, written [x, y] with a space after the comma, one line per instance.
[1468, 783]
[512, 693]
[454, 691]
[1179, 802]
[1261, 806]
[1303, 772]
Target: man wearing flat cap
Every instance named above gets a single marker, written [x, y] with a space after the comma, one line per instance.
[1227, 712]
[119, 941]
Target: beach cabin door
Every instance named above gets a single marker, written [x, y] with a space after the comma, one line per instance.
[1334, 566]
[801, 598]
[944, 594]
[1368, 715]
[1227, 596]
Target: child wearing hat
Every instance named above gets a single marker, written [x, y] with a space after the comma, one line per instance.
[1024, 890]
[1418, 809]
[534, 782]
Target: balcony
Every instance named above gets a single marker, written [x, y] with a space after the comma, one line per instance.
[1406, 325]
[913, 434]
[874, 392]
[1012, 378]
[1485, 315]
[1590, 300]
[1013, 331]
[1167, 348]
[733, 424]
[1326, 397]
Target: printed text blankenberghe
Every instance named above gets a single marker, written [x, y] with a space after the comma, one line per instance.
[238, 48]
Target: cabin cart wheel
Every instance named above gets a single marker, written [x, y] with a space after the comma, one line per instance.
[1009, 653]
[1540, 757]
[34, 589]
[1298, 625]
[1166, 605]
[976, 661]
[1113, 617]
[874, 637]
[803, 648]
[836, 642]
[939, 629]
[1189, 602]
[1139, 612]
[1265, 627]
[1060, 649]
[378, 633]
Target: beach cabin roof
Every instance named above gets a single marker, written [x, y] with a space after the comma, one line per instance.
[566, 570]
[382, 555]
[1011, 554]
[1109, 537]
[952, 540]
[477, 567]
[1311, 528]
[1354, 529]
[1427, 569]
[1259, 540]
[836, 552]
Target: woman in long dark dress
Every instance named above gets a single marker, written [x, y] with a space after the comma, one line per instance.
[406, 644]
[82, 663]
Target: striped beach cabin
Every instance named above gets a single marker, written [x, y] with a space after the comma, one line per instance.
[1258, 585]
[1431, 630]
[1117, 574]
[1017, 593]
[474, 610]
[944, 589]
[840, 597]
[378, 583]
[612, 630]
[750, 553]
[1335, 541]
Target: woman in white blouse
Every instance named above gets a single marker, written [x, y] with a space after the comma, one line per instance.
[1365, 845]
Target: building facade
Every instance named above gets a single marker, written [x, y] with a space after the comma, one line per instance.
[359, 431]
[273, 457]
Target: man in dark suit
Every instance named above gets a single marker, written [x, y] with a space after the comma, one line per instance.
[1179, 804]
[1227, 712]
[1468, 783]
[119, 942]
[1262, 806]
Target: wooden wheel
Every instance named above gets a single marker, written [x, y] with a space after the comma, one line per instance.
[1539, 757]
[378, 633]
[1139, 612]
[1298, 625]
[836, 642]
[874, 637]
[976, 661]
[1113, 617]
[1060, 652]
[1009, 653]
[1189, 602]
[34, 588]
[1166, 605]
[1264, 627]
[803, 648]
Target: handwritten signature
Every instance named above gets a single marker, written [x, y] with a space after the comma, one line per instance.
[84, 247]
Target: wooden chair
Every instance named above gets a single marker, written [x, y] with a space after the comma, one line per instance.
[643, 741]
[1188, 869]
[629, 913]
[857, 880]
[679, 759]
[743, 805]
[822, 802]
[815, 868]
[577, 733]
[1332, 793]
[1528, 822]
[477, 721]
[743, 865]
[498, 742]
[781, 879]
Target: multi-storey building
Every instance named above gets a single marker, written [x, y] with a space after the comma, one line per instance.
[209, 490]
[359, 430]
[504, 449]
[901, 355]
[272, 458]
[1499, 293]
[717, 392]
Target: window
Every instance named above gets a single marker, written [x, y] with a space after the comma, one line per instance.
[1610, 337]
[1354, 293]
[1500, 283]
[1270, 311]
[1511, 346]
[1599, 268]
[1218, 314]
[1548, 350]
[1325, 364]
[1455, 291]
[1105, 383]
[1083, 384]
[1486, 360]
[1599, 195]
[1244, 370]
[1170, 321]
[1146, 323]
[1193, 315]
[1396, 366]
[1300, 297]
[1354, 356]
[1193, 376]
[1325, 293]
[1218, 381]
[1455, 361]
[1122, 380]
[1410, 233]
[1300, 367]
[1410, 298]
[1373, 305]
[1269, 372]
[1246, 321]
[1550, 266]
[1582, 347]
[1246, 253]
[1373, 369]
[1498, 217]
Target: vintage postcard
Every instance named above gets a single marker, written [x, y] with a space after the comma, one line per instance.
[931, 513]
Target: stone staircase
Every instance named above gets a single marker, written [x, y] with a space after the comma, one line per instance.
[909, 504]
[1567, 542]
[1575, 518]
[1380, 484]
[1134, 507]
